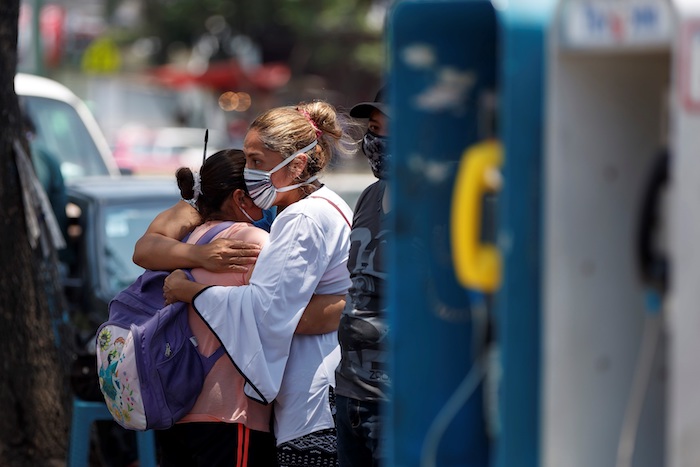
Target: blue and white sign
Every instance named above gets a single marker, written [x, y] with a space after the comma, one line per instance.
[615, 23]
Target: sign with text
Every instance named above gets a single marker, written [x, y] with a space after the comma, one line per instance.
[616, 23]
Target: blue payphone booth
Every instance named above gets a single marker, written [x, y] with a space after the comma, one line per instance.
[548, 374]
[466, 85]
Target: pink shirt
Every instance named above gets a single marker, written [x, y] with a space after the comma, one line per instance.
[222, 398]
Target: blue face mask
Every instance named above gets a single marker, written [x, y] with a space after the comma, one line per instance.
[260, 186]
[268, 216]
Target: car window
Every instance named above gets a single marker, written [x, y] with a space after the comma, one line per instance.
[60, 131]
[123, 226]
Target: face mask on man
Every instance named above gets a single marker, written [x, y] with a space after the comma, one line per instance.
[375, 148]
[260, 186]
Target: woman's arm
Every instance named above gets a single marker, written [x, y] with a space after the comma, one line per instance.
[160, 247]
[322, 315]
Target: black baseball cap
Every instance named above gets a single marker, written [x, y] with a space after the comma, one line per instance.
[364, 109]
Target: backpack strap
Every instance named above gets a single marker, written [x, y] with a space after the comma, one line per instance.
[208, 362]
[336, 207]
[212, 232]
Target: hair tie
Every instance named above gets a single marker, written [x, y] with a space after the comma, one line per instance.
[313, 124]
[196, 186]
[196, 190]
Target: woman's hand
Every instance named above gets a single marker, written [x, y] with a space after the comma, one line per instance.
[178, 288]
[226, 255]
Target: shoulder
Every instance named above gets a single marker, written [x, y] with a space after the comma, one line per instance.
[246, 233]
[323, 209]
[378, 186]
[325, 200]
[328, 194]
[237, 231]
[371, 195]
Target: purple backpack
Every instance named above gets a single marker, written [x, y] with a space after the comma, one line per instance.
[149, 368]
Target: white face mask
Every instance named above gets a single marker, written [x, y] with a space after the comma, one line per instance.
[260, 186]
[252, 221]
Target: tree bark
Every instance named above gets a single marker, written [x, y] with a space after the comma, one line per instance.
[33, 389]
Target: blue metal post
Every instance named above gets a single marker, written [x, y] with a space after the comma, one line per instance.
[518, 305]
[443, 58]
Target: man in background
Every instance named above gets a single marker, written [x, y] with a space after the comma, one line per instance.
[362, 383]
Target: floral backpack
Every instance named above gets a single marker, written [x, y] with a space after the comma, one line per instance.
[150, 371]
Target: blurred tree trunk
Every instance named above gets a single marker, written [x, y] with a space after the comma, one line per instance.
[33, 396]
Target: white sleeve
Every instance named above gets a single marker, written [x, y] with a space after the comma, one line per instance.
[256, 323]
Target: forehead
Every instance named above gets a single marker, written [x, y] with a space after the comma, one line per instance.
[254, 148]
[377, 117]
[252, 143]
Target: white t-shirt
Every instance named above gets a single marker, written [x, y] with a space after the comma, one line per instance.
[307, 253]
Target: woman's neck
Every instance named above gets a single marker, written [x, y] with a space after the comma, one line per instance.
[298, 194]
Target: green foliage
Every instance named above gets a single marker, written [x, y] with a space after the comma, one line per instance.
[340, 27]
[370, 56]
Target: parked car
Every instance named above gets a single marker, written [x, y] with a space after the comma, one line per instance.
[141, 150]
[107, 216]
[137, 100]
[66, 127]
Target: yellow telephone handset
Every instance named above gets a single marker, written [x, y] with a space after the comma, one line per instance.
[477, 265]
